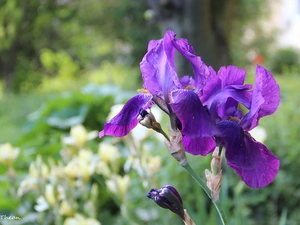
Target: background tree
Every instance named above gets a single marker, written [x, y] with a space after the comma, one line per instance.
[206, 23]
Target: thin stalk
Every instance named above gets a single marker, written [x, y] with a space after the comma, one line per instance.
[217, 204]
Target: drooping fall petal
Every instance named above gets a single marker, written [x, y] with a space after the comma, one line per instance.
[194, 118]
[265, 165]
[126, 119]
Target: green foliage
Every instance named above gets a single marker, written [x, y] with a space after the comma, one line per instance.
[50, 125]
[285, 60]
[60, 112]
[67, 38]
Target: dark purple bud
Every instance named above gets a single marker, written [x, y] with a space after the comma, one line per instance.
[168, 197]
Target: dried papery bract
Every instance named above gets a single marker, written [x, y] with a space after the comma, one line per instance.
[214, 177]
[187, 219]
[175, 146]
[147, 119]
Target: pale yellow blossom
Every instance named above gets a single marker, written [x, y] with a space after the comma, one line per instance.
[72, 169]
[44, 171]
[49, 194]
[79, 219]
[33, 171]
[66, 209]
[8, 153]
[154, 164]
[28, 184]
[102, 168]
[79, 136]
[118, 185]
[108, 153]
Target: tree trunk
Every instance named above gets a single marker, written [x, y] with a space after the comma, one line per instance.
[207, 24]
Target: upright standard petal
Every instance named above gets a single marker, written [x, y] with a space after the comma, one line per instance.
[265, 165]
[126, 119]
[265, 98]
[201, 71]
[221, 90]
[231, 75]
[157, 67]
[193, 116]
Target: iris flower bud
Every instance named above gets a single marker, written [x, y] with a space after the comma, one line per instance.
[167, 197]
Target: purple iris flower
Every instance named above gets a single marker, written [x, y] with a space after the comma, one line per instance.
[178, 97]
[256, 165]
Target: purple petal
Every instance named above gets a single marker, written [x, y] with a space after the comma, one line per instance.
[218, 103]
[152, 44]
[265, 165]
[201, 71]
[265, 98]
[199, 146]
[211, 88]
[194, 118]
[126, 119]
[232, 138]
[221, 90]
[231, 75]
[157, 66]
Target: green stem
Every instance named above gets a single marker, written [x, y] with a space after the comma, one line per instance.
[217, 204]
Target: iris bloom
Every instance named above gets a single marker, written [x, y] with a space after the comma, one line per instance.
[179, 98]
[256, 165]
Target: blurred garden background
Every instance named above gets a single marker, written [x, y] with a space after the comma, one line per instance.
[66, 65]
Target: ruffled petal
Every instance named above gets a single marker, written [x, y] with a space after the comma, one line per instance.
[157, 66]
[220, 91]
[193, 116]
[265, 98]
[231, 75]
[211, 88]
[199, 146]
[126, 119]
[256, 165]
[265, 165]
[201, 71]
[152, 44]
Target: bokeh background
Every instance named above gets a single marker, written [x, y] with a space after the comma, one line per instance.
[67, 65]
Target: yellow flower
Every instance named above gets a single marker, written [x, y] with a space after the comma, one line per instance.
[44, 171]
[154, 164]
[82, 166]
[79, 219]
[49, 194]
[108, 153]
[28, 184]
[33, 172]
[85, 155]
[8, 153]
[79, 136]
[65, 209]
[118, 185]
[72, 169]
[102, 168]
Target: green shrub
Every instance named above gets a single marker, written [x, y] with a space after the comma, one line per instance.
[285, 60]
